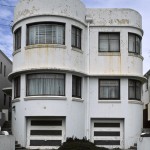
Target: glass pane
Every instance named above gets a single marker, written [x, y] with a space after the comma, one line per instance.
[104, 92]
[114, 45]
[138, 45]
[131, 43]
[114, 36]
[104, 45]
[103, 36]
[42, 34]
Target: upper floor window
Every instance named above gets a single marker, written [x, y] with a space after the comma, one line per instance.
[109, 42]
[76, 37]
[134, 43]
[4, 71]
[46, 84]
[18, 39]
[109, 89]
[17, 87]
[76, 86]
[46, 34]
[134, 89]
[4, 99]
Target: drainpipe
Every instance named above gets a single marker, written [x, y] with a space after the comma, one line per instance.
[88, 20]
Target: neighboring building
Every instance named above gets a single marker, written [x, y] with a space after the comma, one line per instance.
[5, 84]
[76, 72]
[146, 100]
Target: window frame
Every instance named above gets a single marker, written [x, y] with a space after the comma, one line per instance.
[17, 86]
[76, 37]
[1, 68]
[76, 86]
[118, 98]
[108, 33]
[45, 23]
[27, 84]
[135, 87]
[17, 35]
[135, 45]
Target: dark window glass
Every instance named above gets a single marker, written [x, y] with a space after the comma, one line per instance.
[46, 84]
[109, 42]
[17, 87]
[18, 39]
[109, 89]
[76, 37]
[1, 67]
[46, 34]
[134, 89]
[76, 86]
[9, 101]
[4, 71]
[134, 43]
[4, 99]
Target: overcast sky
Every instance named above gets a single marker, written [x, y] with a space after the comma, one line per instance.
[142, 6]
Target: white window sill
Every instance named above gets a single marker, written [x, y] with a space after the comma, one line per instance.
[16, 100]
[45, 98]
[136, 55]
[109, 101]
[135, 102]
[16, 51]
[77, 99]
[45, 46]
[77, 50]
[109, 54]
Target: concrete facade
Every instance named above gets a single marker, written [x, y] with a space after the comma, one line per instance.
[79, 114]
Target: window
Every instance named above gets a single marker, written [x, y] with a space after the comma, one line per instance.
[134, 43]
[109, 89]
[1, 67]
[4, 71]
[109, 42]
[46, 34]
[76, 37]
[46, 84]
[18, 39]
[134, 89]
[4, 99]
[9, 102]
[17, 87]
[76, 86]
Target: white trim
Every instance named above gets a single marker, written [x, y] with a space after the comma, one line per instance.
[135, 102]
[45, 98]
[109, 101]
[77, 99]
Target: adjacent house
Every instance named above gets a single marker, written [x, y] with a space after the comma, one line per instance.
[5, 88]
[77, 71]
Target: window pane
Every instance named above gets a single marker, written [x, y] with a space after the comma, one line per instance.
[109, 42]
[18, 39]
[114, 45]
[131, 43]
[138, 45]
[46, 84]
[76, 86]
[17, 87]
[46, 34]
[109, 89]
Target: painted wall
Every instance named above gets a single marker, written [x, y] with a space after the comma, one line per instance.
[87, 63]
[143, 143]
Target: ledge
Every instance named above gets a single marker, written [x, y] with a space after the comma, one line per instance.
[109, 54]
[77, 50]
[16, 51]
[77, 99]
[45, 46]
[135, 102]
[109, 101]
[45, 98]
[136, 55]
[15, 100]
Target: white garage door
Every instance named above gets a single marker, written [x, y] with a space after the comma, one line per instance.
[107, 133]
[45, 133]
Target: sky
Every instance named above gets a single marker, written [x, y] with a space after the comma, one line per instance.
[142, 6]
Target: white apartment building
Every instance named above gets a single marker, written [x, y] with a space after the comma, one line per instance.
[77, 71]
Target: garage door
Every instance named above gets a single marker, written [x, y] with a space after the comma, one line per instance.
[45, 133]
[107, 133]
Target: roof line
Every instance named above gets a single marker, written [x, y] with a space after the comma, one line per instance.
[5, 56]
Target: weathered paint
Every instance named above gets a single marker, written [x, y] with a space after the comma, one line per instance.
[89, 63]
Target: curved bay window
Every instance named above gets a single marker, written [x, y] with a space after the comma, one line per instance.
[134, 43]
[46, 34]
[134, 90]
[46, 84]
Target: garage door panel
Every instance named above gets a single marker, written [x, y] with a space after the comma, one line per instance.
[45, 133]
[107, 133]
